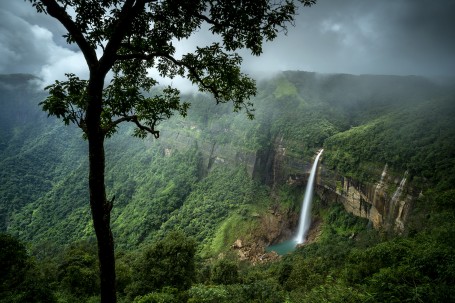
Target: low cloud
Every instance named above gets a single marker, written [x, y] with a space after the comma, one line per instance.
[30, 48]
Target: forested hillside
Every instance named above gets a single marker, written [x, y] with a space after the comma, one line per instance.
[215, 177]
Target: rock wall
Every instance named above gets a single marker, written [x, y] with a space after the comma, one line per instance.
[215, 153]
[386, 203]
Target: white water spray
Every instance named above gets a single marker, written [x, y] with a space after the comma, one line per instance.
[305, 213]
[397, 193]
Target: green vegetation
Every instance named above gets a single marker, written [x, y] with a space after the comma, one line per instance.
[20, 278]
[183, 200]
[123, 41]
[350, 263]
[167, 264]
[419, 139]
[225, 192]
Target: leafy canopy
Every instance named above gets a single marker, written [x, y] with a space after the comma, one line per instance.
[136, 36]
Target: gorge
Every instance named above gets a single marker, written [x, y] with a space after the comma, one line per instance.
[275, 149]
[235, 185]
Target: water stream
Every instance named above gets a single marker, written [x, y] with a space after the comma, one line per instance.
[397, 193]
[305, 215]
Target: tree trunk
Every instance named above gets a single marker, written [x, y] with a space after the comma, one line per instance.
[100, 207]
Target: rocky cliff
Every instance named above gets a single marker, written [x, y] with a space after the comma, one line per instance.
[386, 203]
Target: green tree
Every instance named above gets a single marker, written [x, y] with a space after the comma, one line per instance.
[225, 272]
[167, 263]
[20, 280]
[77, 273]
[13, 261]
[134, 36]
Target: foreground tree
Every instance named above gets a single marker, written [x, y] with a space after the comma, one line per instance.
[20, 279]
[168, 263]
[130, 37]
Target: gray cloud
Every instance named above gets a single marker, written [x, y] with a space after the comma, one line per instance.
[29, 44]
[367, 36]
[349, 36]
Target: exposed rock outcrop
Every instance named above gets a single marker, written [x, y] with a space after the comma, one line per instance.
[385, 203]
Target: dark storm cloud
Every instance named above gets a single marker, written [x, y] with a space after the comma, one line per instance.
[349, 36]
[368, 36]
[423, 34]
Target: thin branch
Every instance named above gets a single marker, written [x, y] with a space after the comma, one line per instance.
[122, 119]
[207, 19]
[127, 14]
[191, 69]
[135, 120]
[151, 130]
[61, 15]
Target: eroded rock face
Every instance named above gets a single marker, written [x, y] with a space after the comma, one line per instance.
[385, 203]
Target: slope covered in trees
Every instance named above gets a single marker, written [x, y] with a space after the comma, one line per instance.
[206, 176]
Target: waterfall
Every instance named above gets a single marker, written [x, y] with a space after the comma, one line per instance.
[381, 181]
[305, 213]
[397, 193]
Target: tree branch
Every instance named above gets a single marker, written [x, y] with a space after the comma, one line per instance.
[135, 120]
[122, 119]
[151, 130]
[59, 13]
[206, 19]
[191, 69]
[128, 12]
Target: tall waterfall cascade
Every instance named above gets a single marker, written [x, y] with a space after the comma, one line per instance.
[305, 213]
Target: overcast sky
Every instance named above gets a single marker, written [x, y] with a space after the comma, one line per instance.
[335, 36]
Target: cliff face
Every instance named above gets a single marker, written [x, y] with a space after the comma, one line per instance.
[386, 203]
